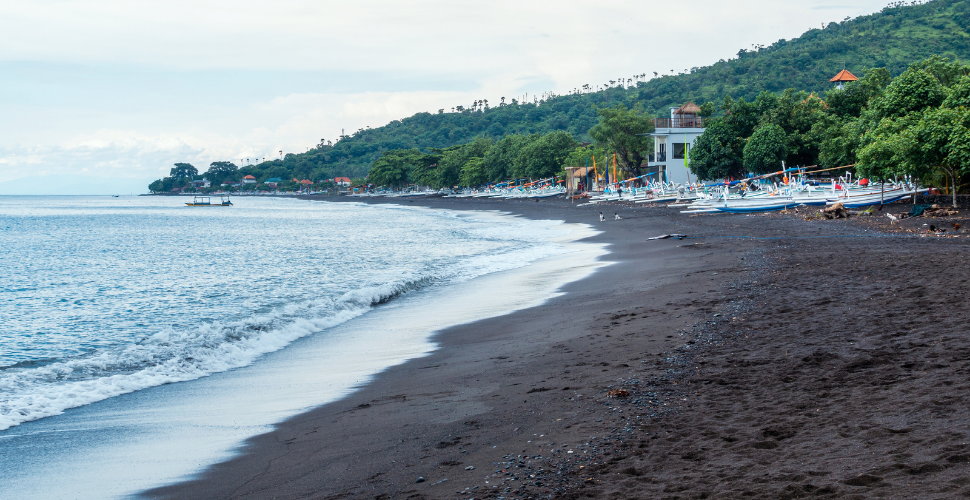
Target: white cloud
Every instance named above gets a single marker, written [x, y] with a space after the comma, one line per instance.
[204, 80]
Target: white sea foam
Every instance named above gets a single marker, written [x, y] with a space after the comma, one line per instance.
[177, 355]
[167, 356]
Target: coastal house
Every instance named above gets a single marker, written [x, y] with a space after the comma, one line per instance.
[341, 181]
[229, 183]
[274, 182]
[673, 138]
[249, 180]
[204, 183]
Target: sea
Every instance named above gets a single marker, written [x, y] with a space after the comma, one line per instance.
[142, 341]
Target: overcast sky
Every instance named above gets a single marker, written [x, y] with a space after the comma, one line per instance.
[102, 96]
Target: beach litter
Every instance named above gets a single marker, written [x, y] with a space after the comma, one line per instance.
[618, 393]
[665, 236]
[931, 211]
[837, 211]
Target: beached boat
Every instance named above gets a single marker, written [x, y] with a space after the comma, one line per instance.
[205, 201]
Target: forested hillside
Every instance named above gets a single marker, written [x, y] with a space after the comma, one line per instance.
[893, 38]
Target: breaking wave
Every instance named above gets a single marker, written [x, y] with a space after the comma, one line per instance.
[29, 391]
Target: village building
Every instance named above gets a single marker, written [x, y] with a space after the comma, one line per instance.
[204, 183]
[249, 180]
[341, 181]
[673, 138]
[273, 182]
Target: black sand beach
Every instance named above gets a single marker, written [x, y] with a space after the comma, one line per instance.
[762, 357]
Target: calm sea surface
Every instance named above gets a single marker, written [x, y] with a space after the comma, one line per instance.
[103, 296]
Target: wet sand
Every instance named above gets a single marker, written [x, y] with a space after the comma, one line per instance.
[762, 357]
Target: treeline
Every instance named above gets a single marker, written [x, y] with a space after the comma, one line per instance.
[916, 124]
[892, 38]
[619, 131]
[182, 176]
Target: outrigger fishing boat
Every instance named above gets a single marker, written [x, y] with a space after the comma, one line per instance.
[205, 201]
[758, 194]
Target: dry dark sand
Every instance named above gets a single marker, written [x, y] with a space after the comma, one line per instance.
[763, 357]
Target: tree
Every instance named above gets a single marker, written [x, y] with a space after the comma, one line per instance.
[473, 173]
[220, 171]
[939, 140]
[839, 140]
[499, 158]
[391, 169]
[765, 149]
[959, 94]
[883, 157]
[623, 131]
[453, 159]
[543, 157]
[719, 152]
[911, 92]
[183, 171]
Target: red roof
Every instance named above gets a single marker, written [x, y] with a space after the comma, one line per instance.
[249, 177]
[844, 76]
[341, 179]
[305, 181]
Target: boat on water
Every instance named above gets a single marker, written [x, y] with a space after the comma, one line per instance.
[206, 201]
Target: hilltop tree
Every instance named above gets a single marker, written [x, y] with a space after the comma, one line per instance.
[183, 171]
[220, 171]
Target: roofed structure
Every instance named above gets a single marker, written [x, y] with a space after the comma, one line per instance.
[688, 109]
[844, 76]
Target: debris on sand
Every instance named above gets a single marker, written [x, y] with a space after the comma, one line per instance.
[837, 211]
[665, 236]
[931, 211]
[618, 393]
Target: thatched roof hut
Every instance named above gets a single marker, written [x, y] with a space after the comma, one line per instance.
[688, 109]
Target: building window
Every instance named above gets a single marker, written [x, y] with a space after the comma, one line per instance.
[680, 150]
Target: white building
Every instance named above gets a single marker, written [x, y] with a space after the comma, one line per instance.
[672, 139]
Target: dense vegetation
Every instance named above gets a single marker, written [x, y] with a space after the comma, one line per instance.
[892, 39]
[917, 124]
[519, 156]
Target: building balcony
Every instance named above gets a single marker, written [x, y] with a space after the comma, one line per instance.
[679, 122]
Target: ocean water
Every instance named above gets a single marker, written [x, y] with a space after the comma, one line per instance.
[141, 340]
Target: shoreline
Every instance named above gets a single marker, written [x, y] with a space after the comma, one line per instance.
[462, 351]
[230, 406]
[718, 366]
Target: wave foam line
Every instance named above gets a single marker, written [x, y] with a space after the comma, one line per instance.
[173, 356]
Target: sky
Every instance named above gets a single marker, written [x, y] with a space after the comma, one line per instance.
[103, 96]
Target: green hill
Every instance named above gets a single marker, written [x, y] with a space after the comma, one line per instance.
[892, 38]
